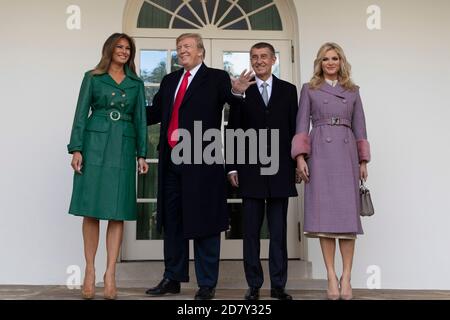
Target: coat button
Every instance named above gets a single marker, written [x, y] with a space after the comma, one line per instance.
[112, 103]
[325, 101]
[328, 139]
[344, 101]
[122, 105]
[346, 140]
[113, 94]
[124, 95]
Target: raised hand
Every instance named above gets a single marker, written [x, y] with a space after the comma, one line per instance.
[241, 84]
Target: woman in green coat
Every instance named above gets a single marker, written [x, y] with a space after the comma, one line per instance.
[109, 133]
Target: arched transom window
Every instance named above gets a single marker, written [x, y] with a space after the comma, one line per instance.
[219, 14]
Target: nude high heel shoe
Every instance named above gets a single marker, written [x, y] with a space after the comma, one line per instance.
[88, 290]
[333, 295]
[348, 295]
[110, 291]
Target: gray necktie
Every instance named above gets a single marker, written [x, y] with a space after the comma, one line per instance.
[264, 93]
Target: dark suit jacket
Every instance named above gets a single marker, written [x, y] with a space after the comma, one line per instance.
[280, 114]
[203, 186]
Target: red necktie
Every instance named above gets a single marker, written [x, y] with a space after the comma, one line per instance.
[173, 125]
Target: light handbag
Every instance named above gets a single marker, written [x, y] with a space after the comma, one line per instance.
[367, 209]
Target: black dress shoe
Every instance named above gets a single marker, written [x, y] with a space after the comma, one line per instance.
[252, 294]
[280, 294]
[205, 293]
[165, 286]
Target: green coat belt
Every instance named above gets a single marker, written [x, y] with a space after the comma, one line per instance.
[110, 131]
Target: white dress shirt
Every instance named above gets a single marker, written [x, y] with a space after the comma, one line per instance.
[191, 77]
[332, 83]
[269, 82]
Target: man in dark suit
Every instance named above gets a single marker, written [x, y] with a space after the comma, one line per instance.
[269, 104]
[191, 195]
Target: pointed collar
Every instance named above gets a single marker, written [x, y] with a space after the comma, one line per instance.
[269, 81]
[128, 82]
[332, 83]
[131, 74]
[254, 90]
[337, 90]
[200, 74]
[194, 70]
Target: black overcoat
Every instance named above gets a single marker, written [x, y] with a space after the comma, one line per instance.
[203, 187]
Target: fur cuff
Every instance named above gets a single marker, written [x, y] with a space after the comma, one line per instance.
[300, 144]
[363, 150]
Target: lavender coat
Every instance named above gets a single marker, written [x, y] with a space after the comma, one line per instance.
[333, 154]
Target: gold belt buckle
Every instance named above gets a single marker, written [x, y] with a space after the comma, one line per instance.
[115, 115]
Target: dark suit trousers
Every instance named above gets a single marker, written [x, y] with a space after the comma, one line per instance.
[176, 247]
[253, 219]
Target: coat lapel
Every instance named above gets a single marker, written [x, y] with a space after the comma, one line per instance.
[253, 91]
[127, 83]
[172, 88]
[199, 78]
[337, 91]
[275, 91]
[130, 80]
[107, 79]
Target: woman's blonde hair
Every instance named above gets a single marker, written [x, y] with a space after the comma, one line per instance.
[107, 53]
[344, 70]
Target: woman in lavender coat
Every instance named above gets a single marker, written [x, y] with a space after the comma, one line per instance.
[331, 159]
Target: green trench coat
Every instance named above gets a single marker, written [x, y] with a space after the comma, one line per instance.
[110, 131]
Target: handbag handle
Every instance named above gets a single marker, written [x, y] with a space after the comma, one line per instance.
[362, 186]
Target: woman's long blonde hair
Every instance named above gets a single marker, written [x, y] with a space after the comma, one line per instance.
[107, 53]
[344, 73]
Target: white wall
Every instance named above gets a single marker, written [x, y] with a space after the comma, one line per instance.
[404, 73]
[42, 64]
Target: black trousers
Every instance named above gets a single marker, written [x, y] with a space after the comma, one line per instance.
[253, 219]
[176, 247]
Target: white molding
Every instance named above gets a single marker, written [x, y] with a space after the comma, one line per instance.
[284, 7]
